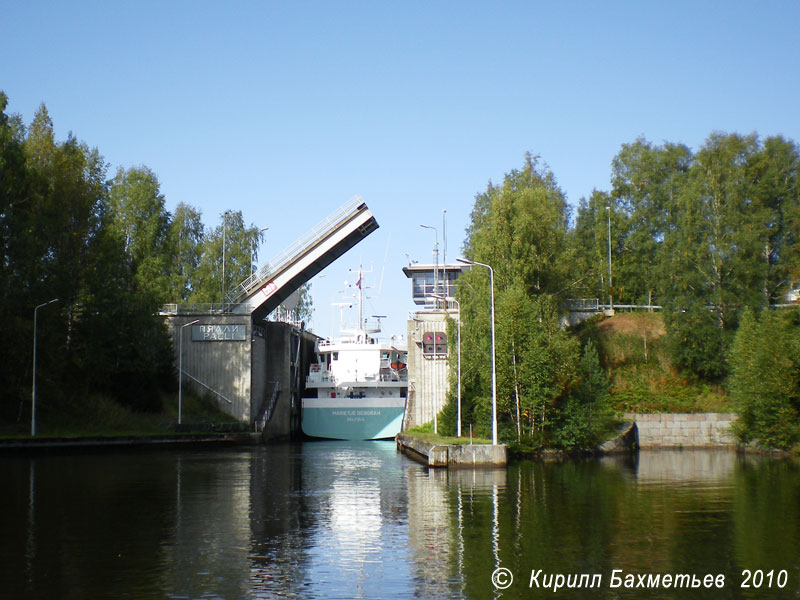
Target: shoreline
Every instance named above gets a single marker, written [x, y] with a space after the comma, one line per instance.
[44, 444]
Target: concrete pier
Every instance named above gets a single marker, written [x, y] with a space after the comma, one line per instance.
[452, 455]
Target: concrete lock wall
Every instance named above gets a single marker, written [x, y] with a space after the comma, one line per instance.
[286, 367]
[428, 382]
[684, 430]
[216, 354]
[243, 366]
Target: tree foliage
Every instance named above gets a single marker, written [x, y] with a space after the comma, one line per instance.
[520, 229]
[139, 217]
[187, 232]
[61, 239]
[703, 234]
[765, 378]
[227, 257]
[111, 254]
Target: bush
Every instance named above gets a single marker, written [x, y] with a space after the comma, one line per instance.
[696, 343]
[585, 415]
[765, 379]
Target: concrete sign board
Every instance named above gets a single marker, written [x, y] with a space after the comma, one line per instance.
[219, 333]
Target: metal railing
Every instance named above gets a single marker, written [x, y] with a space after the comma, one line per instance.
[593, 304]
[197, 308]
[210, 389]
[300, 246]
[581, 304]
[268, 406]
[615, 306]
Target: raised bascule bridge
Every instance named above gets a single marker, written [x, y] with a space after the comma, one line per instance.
[255, 368]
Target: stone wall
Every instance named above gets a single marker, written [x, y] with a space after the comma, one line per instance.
[683, 430]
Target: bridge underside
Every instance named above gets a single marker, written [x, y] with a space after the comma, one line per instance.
[315, 262]
[266, 290]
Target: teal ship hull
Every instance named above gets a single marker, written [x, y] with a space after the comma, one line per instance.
[351, 421]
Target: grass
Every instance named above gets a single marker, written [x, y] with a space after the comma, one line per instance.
[425, 433]
[100, 416]
[632, 347]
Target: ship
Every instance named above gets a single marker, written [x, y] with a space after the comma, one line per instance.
[357, 385]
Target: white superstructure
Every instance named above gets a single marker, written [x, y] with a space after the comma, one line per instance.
[357, 385]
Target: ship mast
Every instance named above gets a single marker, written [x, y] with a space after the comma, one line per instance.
[361, 330]
[359, 284]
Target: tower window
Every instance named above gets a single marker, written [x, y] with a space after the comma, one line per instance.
[434, 343]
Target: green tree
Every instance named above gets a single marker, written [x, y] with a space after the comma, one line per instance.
[773, 216]
[186, 232]
[705, 257]
[520, 229]
[63, 218]
[729, 244]
[589, 240]
[586, 414]
[765, 378]
[58, 242]
[121, 347]
[303, 308]
[645, 181]
[226, 259]
[138, 215]
[549, 364]
[16, 238]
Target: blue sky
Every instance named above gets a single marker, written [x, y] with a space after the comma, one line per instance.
[284, 110]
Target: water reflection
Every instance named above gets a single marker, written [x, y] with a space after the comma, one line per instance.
[673, 466]
[357, 544]
[357, 520]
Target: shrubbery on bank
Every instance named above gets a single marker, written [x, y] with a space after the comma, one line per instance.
[765, 378]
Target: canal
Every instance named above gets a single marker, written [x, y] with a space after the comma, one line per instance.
[357, 520]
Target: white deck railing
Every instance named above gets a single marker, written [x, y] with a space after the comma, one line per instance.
[298, 248]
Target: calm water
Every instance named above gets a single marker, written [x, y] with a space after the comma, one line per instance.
[357, 520]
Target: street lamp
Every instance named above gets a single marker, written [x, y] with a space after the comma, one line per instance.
[222, 284]
[33, 393]
[494, 369]
[435, 258]
[458, 337]
[610, 292]
[225, 216]
[180, 368]
[435, 289]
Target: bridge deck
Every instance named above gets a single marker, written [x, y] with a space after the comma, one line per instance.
[265, 290]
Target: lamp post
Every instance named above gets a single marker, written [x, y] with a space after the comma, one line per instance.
[610, 289]
[435, 259]
[435, 290]
[445, 289]
[494, 369]
[225, 216]
[180, 368]
[222, 284]
[33, 393]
